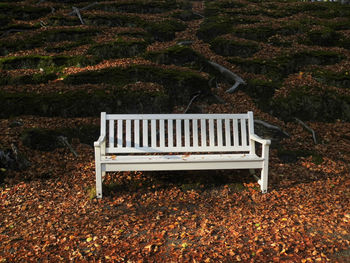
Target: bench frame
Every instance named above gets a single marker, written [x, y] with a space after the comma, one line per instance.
[160, 142]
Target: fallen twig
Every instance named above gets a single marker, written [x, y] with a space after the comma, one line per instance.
[228, 74]
[12, 30]
[198, 14]
[270, 126]
[83, 8]
[308, 129]
[184, 43]
[42, 24]
[65, 142]
[77, 12]
[191, 101]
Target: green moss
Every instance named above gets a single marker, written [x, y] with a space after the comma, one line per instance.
[338, 79]
[91, 192]
[118, 49]
[160, 31]
[180, 85]
[280, 67]
[226, 4]
[143, 7]
[225, 47]
[69, 34]
[218, 7]
[82, 104]
[164, 30]
[262, 91]
[261, 33]
[279, 41]
[23, 12]
[325, 106]
[292, 156]
[178, 55]
[323, 37]
[80, 35]
[37, 78]
[4, 21]
[45, 62]
[40, 139]
[345, 43]
[186, 15]
[67, 46]
[109, 20]
[137, 34]
[86, 134]
[331, 10]
[47, 139]
[257, 33]
[297, 7]
[214, 27]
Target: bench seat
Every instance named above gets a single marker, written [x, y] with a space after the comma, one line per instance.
[162, 162]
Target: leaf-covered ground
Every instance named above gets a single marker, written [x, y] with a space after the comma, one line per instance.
[294, 57]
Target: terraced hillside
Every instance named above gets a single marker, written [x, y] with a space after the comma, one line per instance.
[63, 62]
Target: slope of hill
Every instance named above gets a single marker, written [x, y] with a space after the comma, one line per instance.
[63, 62]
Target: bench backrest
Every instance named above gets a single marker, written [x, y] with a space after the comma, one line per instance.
[136, 133]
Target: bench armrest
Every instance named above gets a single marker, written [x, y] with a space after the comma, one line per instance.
[100, 141]
[256, 138]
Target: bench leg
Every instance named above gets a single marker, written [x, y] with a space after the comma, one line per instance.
[265, 170]
[98, 180]
[264, 180]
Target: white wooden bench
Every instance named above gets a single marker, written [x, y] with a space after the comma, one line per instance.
[155, 142]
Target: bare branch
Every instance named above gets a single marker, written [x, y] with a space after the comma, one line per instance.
[308, 129]
[65, 142]
[12, 30]
[191, 101]
[270, 126]
[228, 74]
[42, 24]
[76, 10]
[83, 8]
[198, 14]
[184, 43]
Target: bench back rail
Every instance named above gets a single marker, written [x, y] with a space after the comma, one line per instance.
[164, 133]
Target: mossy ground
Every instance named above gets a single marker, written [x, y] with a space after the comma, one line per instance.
[57, 75]
[224, 25]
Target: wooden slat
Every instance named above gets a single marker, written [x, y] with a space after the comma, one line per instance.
[111, 133]
[153, 133]
[235, 132]
[219, 132]
[203, 133]
[227, 133]
[212, 136]
[120, 134]
[161, 134]
[145, 133]
[244, 132]
[187, 133]
[103, 123]
[251, 131]
[128, 133]
[178, 133]
[173, 116]
[195, 132]
[211, 133]
[177, 149]
[137, 133]
[170, 133]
